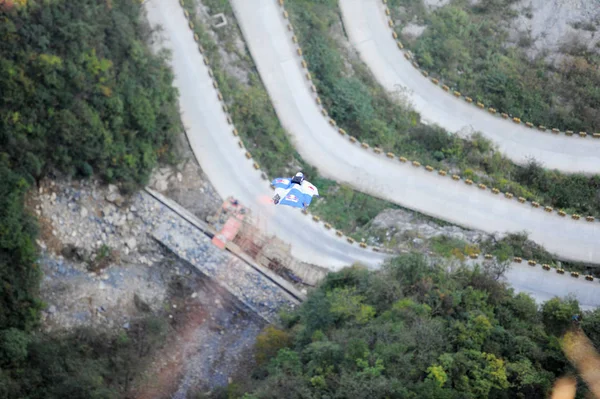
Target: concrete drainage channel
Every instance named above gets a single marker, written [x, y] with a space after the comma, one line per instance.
[241, 280]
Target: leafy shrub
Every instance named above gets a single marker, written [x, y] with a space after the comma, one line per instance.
[269, 342]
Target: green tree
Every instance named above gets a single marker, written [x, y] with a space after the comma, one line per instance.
[528, 379]
[557, 314]
[474, 373]
[13, 346]
[473, 333]
[19, 272]
[347, 305]
[269, 342]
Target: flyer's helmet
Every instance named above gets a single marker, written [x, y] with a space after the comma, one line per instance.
[298, 178]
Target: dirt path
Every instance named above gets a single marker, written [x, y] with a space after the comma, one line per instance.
[211, 338]
[167, 368]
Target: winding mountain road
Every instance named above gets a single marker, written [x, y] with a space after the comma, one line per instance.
[232, 174]
[367, 27]
[264, 29]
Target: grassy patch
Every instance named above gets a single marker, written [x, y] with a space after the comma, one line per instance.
[347, 209]
[505, 249]
[466, 46]
[452, 247]
[517, 245]
[512, 245]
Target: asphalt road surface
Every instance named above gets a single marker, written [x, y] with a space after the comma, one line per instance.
[232, 174]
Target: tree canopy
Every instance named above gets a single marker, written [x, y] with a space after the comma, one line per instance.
[81, 91]
[413, 330]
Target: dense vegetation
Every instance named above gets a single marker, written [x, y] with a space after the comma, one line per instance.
[81, 94]
[19, 274]
[81, 365]
[361, 106]
[412, 330]
[466, 45]
[81, 91]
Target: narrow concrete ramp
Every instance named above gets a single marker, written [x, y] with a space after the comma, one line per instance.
[261, 291]
[253, 289]
[210, 232]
